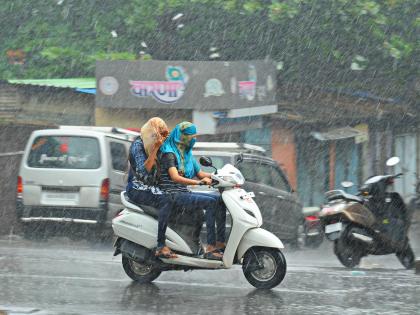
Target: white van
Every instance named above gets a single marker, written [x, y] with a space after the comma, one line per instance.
[73, 175]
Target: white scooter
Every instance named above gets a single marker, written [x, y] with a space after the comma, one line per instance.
[258, 250]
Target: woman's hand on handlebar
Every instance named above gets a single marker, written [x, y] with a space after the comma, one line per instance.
[206, 181]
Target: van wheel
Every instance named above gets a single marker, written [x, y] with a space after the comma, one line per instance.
[264, 267]
[140, 272]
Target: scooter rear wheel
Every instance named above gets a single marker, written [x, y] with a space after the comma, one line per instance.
[140, 272]
[348, 253]
[264, 267]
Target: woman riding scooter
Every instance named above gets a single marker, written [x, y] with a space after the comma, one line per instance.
[178, 170]
[142, 187]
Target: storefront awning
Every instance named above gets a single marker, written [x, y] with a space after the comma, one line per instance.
[339, 133]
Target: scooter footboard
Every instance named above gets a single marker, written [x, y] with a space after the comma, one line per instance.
[258, 237]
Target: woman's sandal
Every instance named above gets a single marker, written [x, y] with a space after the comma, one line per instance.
[214, 255]
[165, 252]
[221, 247]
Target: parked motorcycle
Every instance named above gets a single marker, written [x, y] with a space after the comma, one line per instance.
[415, 202]
[312, 229]
[375, 222]
[257, 250]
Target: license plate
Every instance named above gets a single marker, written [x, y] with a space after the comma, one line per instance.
[248, 195]
[336, 227]
[61, 196]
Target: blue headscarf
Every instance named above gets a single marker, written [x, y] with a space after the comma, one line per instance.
[186, 162]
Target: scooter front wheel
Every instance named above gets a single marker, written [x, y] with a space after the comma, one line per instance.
[264, 267]
[140, 272]
[407, 257]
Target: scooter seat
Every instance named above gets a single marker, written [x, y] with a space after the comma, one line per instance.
[137, 207]
[339, 194]
[150, 210]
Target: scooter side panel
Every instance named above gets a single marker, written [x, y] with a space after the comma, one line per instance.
[241, 222]
[142, 229]
[258, 237]
[360, 214]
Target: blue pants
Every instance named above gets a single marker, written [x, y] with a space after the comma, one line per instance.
[162, 202]
[199, 201]
[220, 215]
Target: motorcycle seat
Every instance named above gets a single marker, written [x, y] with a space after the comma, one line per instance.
[340, 194]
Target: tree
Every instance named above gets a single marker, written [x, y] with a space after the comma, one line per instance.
[358, 44]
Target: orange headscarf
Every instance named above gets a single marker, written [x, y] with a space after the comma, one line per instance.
[149, 132]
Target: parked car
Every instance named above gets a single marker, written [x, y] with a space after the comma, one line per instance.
[280, 206]
[72, 175]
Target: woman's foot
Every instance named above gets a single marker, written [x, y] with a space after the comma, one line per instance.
[165, 252]
[221, 246]
[213, 253]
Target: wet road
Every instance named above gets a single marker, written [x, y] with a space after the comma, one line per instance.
[68, 277]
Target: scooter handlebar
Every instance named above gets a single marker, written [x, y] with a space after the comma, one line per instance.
[213, 183]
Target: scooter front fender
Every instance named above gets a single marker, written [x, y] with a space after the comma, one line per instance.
[258, 237]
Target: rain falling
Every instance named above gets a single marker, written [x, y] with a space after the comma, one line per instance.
[271, 148]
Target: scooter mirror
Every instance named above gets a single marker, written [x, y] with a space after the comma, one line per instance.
[393, 161]
[347, 184]
[206, 161]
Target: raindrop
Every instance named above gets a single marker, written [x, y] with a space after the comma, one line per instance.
[213, 49]
[114, 33]
[143, 44]
[180, 26]
[356, 67]
[178, 16]
[214, 56]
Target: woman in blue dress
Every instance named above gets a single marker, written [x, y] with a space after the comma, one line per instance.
[179, 170]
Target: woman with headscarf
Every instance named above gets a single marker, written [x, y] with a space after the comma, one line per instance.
[143, 177]
[179, 168]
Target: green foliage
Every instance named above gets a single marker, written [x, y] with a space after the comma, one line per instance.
[369, 44]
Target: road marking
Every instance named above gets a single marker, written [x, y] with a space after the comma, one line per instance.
[59, 277]
[194, 284]
[197, 284]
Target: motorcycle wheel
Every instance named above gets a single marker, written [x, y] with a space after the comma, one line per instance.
[407, 257]
[349, 257]
[139, 272]
[271, 268]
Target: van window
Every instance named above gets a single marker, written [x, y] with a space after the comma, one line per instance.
[67, 152]
[119, 156]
